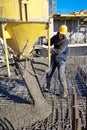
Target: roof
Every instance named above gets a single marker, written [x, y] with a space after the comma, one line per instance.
[82, 14]
[68, 16]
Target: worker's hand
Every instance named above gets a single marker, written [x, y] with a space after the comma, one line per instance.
[44, 41]
[44, 46]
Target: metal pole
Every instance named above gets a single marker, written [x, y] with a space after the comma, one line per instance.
[78, 31]
[73, 97]
[74, 109]
[6, 50]
[78, 124]
[74, 118]
[49, 44]
[86, 34]
[86, 111]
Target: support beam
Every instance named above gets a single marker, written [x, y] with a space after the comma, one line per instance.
[49, 44]
[6, 50]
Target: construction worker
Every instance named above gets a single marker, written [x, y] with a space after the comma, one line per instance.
[58, 59]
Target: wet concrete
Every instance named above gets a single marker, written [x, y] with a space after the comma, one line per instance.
[16, 107]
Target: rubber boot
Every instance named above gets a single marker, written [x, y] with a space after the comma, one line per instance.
[47, 89]
[64, 89]
[65, 93]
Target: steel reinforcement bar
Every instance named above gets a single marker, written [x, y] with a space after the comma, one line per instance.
[76, 120]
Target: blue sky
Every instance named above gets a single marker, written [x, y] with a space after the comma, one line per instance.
[69, 6]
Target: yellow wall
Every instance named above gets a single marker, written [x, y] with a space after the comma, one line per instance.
[9, 9]
[38, 9]
[26, 10]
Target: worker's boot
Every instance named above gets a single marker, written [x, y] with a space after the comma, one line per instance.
[64, 89]
[65, 93]
[47, 88]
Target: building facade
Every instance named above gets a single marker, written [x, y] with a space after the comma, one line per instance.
[77, 31]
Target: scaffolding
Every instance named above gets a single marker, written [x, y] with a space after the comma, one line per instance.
[52, 7]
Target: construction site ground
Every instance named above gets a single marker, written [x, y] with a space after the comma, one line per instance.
[17, 111]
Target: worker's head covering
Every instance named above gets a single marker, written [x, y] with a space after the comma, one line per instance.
[63, 29]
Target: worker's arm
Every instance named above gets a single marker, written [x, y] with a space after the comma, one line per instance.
[60, 49]
[45, 45]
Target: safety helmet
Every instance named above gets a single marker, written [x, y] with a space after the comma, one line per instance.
[63, 29]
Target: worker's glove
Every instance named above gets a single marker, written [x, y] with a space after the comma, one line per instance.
[45, 47]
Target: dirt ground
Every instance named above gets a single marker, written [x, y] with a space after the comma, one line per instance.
[17, 111]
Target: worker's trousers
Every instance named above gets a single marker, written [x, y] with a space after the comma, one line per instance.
[61, 73]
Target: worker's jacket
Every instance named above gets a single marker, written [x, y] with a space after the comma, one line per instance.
[60, 50]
